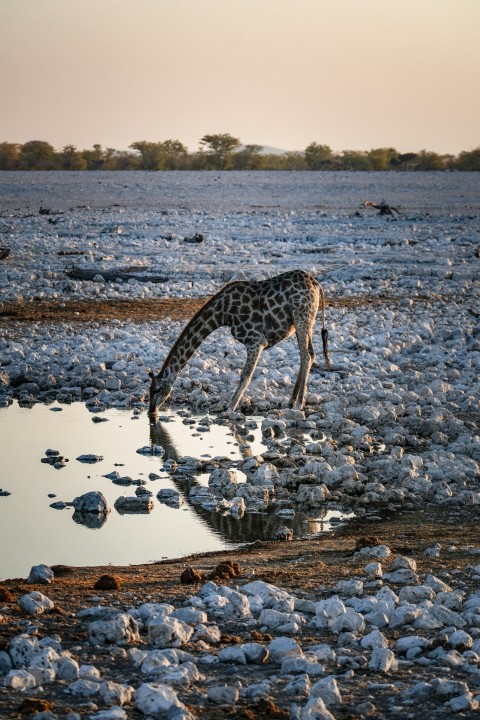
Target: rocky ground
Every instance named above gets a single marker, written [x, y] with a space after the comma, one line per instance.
[381, 619]
[378, 620]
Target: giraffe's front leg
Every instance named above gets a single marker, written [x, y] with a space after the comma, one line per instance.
[253, 354]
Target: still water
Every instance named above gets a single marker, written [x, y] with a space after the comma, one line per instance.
[31, 532]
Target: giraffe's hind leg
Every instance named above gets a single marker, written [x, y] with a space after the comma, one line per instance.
[253, 354]
[307, 357]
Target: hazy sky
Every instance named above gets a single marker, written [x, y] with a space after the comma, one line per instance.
[353, 74]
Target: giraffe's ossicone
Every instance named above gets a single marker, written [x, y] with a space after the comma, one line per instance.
[260, 314]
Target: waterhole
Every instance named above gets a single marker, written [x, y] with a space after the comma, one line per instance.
[32, 532]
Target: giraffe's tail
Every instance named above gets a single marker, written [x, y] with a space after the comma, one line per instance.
[328, 364]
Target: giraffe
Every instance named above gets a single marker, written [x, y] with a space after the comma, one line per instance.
[260, 314]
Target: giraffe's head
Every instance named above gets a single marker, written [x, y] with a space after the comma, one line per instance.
[160, 389]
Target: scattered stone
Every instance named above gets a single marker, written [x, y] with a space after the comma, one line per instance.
[35, 603]
[90, 459]
[284, 534]
[223, 694]
[91, 502]
[40, 575]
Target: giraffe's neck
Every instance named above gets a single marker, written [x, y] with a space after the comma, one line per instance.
[208, 318]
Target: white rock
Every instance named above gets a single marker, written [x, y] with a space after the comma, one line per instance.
[223, 694]
[282, 647]
[382, 659]
[350, 587]
[412, 641]
[67, 668]
[315, 709]
[120, 629]
[233, 654]
[416, 593]
[20, 680]
[35, 603]
[40, 574]
[113, 693]
[298, 687]
[404, 576]
[327, 689]
[89, 672]
[373, 570]
[113, 713]
[461, 640]
[374, 639]
[350, 621]
[168, 632]
[255, 653]
[84, 688]
[402, 562]
[153, 699]
[22, 649]
[382, 552]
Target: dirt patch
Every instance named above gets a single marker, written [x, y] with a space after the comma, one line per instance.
[139, 311]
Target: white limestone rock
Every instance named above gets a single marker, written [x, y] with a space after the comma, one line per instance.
[35, 603]
[327, 689]
[223, 694]
[168, 632]
[41, 575]
[281, 647]
[22, 649]
[113, 693]
[120, 629]
[153, 699]
[383, 659]
[20, 680]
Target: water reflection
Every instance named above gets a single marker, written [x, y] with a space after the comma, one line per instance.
[259, 525]
[91, 520]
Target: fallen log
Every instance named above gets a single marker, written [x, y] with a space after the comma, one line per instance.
[118, 275]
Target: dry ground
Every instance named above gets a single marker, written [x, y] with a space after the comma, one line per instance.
[137, 311]
[312, 566]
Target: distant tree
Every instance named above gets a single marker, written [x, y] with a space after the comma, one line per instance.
[319, 157]
[354, 160]
[404, 161]
[167, 155]
[219, 149]
[71, 159]
[94, 158]
[248, 158]
[37, 155]
[174, 154]
[9, 156]
[468, 160]
[382, 158]
[427, 160]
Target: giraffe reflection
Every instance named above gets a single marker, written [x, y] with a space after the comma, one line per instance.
[254, 525]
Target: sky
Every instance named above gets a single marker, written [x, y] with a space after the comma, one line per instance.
[351, 74]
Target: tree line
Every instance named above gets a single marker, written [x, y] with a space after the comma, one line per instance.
[222, 151]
